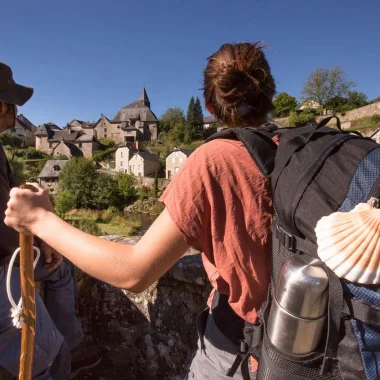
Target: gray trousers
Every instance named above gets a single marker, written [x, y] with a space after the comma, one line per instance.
[216, 359]
[58, 330]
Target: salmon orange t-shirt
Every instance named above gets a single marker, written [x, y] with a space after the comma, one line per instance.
[222, 205]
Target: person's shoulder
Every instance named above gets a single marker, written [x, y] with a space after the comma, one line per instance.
[221, 148]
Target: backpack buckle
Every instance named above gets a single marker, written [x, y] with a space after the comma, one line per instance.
[286, 238]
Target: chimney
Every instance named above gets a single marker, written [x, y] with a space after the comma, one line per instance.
[138, 145]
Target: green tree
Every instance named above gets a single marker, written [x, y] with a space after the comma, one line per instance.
[64, 202]
[105, 192]
[325, 84]
[198, 115]
[10, 139]
[177, 133]
[126, 187]
[194, 121]
[357, 99]
[107, 143]
[284, 104]
[78, 176]
[300, 119]
[171, 118]
[337, 104]
[375, 100]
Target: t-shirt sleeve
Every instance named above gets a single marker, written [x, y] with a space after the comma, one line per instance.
[187, 201]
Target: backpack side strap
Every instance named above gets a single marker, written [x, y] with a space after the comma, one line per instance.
[361, 311]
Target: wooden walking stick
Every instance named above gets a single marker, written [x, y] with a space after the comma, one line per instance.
[28, 303]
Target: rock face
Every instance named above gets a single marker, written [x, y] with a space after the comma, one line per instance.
[150, 335]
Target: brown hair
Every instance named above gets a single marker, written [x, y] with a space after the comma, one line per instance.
[238, 84]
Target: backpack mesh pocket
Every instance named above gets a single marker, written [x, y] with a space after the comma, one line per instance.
[275, 365]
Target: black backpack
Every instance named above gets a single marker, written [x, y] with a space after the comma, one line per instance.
[315, 171]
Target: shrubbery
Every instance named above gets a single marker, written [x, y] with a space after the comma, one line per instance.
[90, 189]
[375, 119]
[300, 119]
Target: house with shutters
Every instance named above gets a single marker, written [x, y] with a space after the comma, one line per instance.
[174, 161]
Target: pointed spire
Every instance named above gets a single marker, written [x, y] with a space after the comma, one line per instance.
[144, 98]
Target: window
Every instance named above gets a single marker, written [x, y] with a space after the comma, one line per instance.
[181, 160]
[176, 170]
[121, 154]
[105, 130]
[173, 160]
[121, 163]
[105, 135]
[133, 167]
[139, 167]
[80, 145]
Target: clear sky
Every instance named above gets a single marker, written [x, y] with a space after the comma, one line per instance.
[87, 57]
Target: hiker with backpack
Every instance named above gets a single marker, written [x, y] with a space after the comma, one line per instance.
[249, 200]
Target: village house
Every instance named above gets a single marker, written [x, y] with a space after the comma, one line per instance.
[55, 141]
[50, 173]
[83, 127]
[137, 121]
[107, 129]
[134, 122]
[123, 155]
[144, 164]
[174, 161]
[210, 122]
[25, 130]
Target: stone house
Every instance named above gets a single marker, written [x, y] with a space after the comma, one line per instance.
[123, 155]
[210, 122]
[55, 141]
[174, 161]
[84, 127]
[50, 173]
[24, 129]
[376, 136]
[105, 128]
[144, 164]
[137, 121]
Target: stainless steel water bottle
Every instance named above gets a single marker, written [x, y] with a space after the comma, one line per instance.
[299, 306]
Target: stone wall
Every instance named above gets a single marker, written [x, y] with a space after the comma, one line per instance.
[150, 335]
[146, 336]
[346, 118]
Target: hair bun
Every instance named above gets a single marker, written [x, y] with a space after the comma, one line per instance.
[236, 86]
[239, 75]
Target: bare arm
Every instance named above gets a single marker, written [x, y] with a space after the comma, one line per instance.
[126, 266]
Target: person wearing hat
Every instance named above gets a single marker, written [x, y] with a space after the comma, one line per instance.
[58, 330]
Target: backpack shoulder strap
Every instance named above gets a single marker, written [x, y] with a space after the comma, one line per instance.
[258, 142]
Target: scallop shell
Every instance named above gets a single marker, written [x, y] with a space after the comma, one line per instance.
[349, 243]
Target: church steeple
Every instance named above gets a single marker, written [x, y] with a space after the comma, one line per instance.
[144, 98]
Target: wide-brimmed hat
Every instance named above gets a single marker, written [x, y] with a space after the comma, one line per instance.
[10, 91]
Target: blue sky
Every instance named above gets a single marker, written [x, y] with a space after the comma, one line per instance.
[87, 57]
